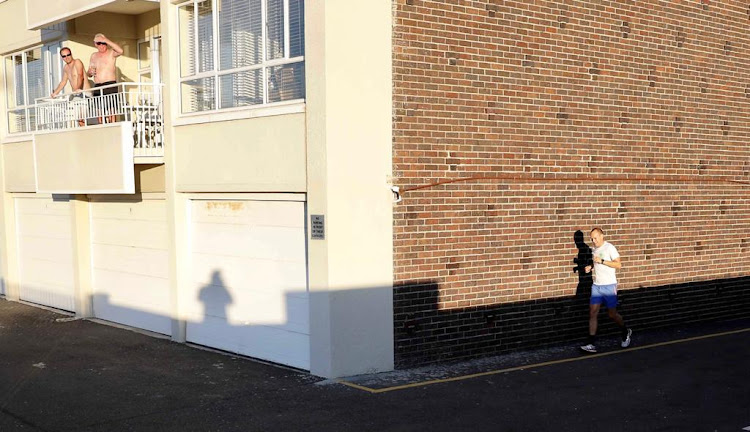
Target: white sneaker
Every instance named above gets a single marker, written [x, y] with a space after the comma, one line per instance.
[590, 348]
[626, 342]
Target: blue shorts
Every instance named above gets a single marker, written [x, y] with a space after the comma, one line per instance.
[606, 294]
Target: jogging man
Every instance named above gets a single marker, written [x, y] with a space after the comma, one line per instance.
[604, 290]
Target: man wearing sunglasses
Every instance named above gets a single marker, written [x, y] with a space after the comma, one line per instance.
[102, 68]
[73, 73]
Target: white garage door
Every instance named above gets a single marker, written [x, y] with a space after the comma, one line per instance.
[248, 291]
[131, 263]
[45, 251]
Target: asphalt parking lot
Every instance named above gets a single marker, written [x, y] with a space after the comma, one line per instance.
[58, 374]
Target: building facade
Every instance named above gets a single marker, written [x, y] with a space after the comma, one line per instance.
[182, 204]
[286, 180]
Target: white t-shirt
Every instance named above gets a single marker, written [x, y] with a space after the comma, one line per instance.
[603, 274]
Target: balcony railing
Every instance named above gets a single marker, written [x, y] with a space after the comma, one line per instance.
[137, 103]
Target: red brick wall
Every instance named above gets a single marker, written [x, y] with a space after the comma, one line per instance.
[558, 116]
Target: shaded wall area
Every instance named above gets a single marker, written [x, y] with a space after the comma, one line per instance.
[426, 334]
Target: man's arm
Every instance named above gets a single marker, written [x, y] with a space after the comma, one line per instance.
[116, 49]
[60, 86]
[615, 263]
[92, 70]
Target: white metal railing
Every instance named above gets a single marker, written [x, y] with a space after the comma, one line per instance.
[137, 103]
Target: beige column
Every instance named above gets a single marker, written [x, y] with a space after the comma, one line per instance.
[349, 94]
[82, 272]
[177, 204]
[9, 252]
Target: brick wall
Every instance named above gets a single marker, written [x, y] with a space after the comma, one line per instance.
[518, 124]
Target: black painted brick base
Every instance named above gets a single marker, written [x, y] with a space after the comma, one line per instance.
[424, 334]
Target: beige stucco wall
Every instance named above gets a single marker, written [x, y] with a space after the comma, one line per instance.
[87, 160]
[115, 26]
[42, 12]
[149, 178]
[349, 164]
[18, 166]
[121, 29]
[338, 152]
[254, 155]
[13, 32]
[148, 24]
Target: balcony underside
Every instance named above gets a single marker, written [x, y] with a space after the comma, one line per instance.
[45, 13]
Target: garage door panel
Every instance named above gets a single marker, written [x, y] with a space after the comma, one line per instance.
[253, 275]
[131, 263]
[264, 305]
[57, 296]
[262, 342]
[45, 226]
[249, 279]
[256, 308]
[134, 291]
[140, 261]
[253, 213]
[43, 206]
[39, 271]
[139, 234]
[123, 311]
[45, 251]
[273, 243]
[147, 210]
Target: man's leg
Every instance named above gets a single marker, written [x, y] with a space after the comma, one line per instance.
[594, 306]
[625, 332]
[97, 103]
[112, 103]
[616, 317]
[593, 320]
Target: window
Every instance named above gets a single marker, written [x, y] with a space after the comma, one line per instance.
[29, 75]
[240, 53]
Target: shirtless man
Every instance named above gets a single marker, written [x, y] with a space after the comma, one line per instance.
[102, 66]
[73, 74]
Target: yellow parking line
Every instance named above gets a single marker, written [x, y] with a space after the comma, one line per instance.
[536, 365]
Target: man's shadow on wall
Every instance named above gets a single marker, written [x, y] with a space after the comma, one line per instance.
[583, 259]
[215, 297]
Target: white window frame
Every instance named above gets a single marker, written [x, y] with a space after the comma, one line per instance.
[143, 70]
[50, 52]
[217, 72]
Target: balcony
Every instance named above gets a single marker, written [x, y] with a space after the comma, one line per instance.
[137, 105]
[89, 141]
